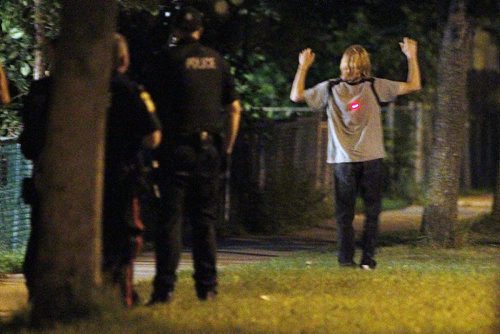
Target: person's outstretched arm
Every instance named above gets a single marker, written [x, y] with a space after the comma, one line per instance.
[306, 59]
[412, 84]
[4, 87]
[152, 140]
[234, 110]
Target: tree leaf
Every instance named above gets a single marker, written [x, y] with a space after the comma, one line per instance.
[25, 69]
[13, 54]
[5, 24]
[16, 33]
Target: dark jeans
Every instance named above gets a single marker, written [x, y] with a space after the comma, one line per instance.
[350, 179]
[189, 188]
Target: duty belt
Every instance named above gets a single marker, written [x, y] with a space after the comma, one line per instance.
[202, 138]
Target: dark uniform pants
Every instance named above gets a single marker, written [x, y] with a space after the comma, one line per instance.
[30, 196]
[122, 238]
[189, 188]
[350, 178]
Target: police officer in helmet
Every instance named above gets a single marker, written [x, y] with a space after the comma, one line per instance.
[200, 111]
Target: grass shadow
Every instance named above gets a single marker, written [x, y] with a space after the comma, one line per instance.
[484, 231]
[480, 231]
[17, 322]
[398, 238]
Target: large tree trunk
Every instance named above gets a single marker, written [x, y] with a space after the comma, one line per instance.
[441, 212]
[68, 268]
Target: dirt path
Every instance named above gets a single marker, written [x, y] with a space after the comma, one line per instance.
[234, 251]
[408, 218]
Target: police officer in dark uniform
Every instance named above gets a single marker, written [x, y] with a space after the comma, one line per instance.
[32, 139]
[35, 118]
[132, 125]
[197, 102]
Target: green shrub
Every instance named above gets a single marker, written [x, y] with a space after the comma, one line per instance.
[387, 204]
[17, 50]
[290, 201]
[11, 261]
[400, 148]
[10, 122]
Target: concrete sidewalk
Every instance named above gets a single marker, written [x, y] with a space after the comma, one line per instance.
[235, 251]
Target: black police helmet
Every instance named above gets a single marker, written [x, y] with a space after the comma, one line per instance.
[189, 19]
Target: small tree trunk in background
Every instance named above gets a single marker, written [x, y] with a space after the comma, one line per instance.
[428, 121]
[68, 270]
[466, 163]
[419, 145]
[39, 67]
[496, 197]
[441, 212]
[389, 129]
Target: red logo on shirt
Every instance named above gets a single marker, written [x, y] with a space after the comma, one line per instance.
[353, 106]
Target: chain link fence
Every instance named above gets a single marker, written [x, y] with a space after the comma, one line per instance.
[14, 214]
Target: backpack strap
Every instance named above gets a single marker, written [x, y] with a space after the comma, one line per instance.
[333, 82]
[372, 86]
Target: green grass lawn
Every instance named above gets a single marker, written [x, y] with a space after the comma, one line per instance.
[414, 290]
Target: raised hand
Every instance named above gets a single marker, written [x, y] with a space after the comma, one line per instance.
[306, 58]
[409, 47]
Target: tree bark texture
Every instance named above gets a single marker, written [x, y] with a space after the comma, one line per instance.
[69, 263]
[466, 169]
[39, 67]
[441, 212]
[419, 145]
[496, 197]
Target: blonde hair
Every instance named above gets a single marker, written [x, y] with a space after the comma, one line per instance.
[121, 58]
[355, 63]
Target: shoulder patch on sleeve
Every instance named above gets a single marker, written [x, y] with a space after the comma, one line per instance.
[146, 98]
